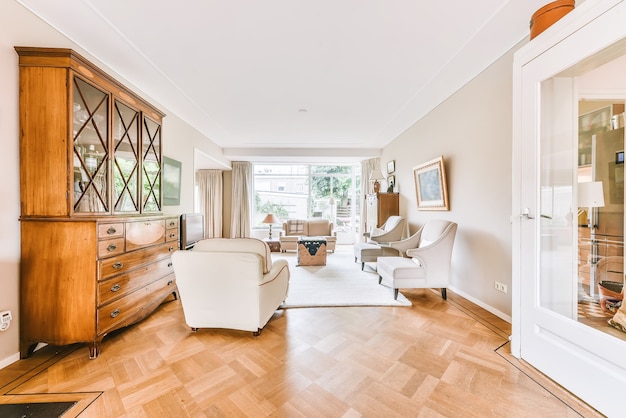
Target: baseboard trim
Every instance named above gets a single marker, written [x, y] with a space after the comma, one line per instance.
[9, 360]
[483, 305]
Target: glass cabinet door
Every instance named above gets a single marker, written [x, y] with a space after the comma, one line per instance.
[126, 158]
[151, 179]
[90, 134]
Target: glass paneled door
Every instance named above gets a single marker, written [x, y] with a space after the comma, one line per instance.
[551, 76]
[91, 151]
[126, 159]
[151, 178]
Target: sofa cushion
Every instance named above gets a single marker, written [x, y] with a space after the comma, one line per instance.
[295, 227]
[242, 245]
[318, 227]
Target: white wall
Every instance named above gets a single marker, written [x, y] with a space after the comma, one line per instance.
[472, 130]
[19, 27]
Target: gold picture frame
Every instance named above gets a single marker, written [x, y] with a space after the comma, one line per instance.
[431, 186]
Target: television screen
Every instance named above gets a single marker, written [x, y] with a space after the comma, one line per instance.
[191, 229]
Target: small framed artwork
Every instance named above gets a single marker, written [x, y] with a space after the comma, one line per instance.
[391, 166]
[430, 185]
[171, 181]
[391, 184]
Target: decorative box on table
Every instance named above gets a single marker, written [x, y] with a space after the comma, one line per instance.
[312, 251]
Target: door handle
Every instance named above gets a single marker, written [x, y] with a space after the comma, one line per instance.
[526, 214]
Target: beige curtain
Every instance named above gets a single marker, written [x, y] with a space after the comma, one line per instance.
[242, 190]
[367, 166]
[210, 187]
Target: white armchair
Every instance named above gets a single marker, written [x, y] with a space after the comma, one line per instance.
[391, 230]
[427, 266]
[365, 252]
[230, 283]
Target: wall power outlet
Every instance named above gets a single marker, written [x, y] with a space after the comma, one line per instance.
[500, 287]
[5, 320]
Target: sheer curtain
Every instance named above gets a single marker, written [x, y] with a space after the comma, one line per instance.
[367, 166]
[210, 187]
[242, 190]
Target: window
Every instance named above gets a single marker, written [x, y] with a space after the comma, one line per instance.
[301, 191]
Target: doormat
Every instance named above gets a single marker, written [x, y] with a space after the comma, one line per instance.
[35, 410]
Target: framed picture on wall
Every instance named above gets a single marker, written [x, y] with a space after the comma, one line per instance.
[391, 184]
[171, 181]
[430, 185]
[391, 166]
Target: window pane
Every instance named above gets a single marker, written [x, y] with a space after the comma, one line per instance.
[301, 191]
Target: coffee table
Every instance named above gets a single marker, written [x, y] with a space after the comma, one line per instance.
[311, 251]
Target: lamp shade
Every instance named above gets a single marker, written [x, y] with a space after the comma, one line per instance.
[590, 194]
[270, 219]
[376, 175]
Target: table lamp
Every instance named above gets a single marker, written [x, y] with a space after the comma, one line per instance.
[376, 175]
[270, 219]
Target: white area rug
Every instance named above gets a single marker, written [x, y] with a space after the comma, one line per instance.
[339, 283]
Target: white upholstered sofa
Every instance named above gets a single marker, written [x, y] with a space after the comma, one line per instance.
[295, 228]
[230, 283]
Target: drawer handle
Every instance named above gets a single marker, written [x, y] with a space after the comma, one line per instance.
[172, 223]
[117, 265]
[172, 235]
[111, 231]
[171, 249]
[115, 287]
[112, 247]
[170, 282]
[115, 313]
[169, 264]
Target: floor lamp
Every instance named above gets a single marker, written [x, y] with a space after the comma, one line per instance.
[591, 196]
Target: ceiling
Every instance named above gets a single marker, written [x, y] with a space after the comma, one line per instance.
[294, 77]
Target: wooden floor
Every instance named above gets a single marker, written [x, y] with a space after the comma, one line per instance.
[437, 358]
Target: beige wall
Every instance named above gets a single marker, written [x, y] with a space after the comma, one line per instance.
[20, 27]
[472, 130]
[180, 143]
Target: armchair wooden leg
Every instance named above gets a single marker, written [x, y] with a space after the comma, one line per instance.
[444, 293]
[380, 279]
[362, 266]
[395, 294]
[257, 332]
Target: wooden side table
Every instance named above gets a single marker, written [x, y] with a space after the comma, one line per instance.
[274, 245]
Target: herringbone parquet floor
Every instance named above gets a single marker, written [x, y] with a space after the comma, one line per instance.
[437, 358]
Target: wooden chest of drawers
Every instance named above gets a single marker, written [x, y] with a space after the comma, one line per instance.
[83, 278]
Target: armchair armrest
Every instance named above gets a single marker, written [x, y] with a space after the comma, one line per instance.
[403, 246]
[278, 267]
[389, 236]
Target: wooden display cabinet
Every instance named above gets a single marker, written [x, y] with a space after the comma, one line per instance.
[95, 248]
